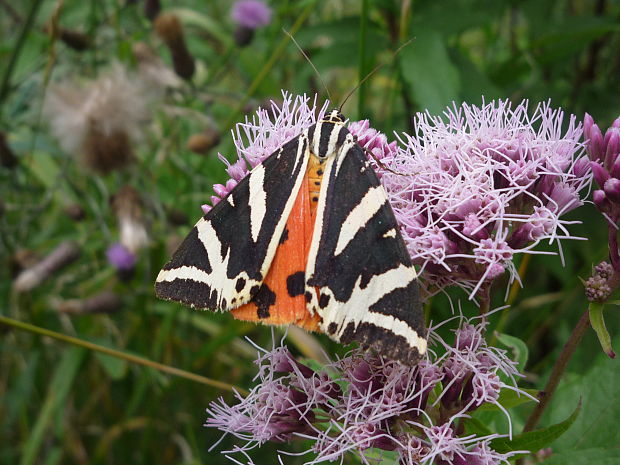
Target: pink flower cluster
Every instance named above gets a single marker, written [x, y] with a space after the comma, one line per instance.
[470, 190]
[482, 184]
[365, 403]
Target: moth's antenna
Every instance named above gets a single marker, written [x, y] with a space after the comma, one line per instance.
[309, 61]
[376, 68]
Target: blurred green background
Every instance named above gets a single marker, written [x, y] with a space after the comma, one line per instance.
[64, 404]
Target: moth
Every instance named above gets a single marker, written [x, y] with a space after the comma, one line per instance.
[308, 238]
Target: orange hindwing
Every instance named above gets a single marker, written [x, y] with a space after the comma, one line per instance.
[286, 276]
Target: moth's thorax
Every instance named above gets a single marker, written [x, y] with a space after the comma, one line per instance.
[334, 116]
[327, 135]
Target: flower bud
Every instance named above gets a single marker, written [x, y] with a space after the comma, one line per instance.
[612, 189]
[170, 30]
[152, 9]
[75, 212]
[612, 142]
[204, 141]
[604, 270]
[600, 174]
[615, 168]
[243, 35]
[588, 122]
[595, 144]
[75, 39]
[220, 190]
[581, 167]
[176, 217]
[600, 200]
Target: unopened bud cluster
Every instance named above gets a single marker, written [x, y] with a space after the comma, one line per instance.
[597, 286]
[603, 152]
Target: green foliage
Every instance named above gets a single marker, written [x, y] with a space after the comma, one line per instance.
[61, 404]
[535, 440]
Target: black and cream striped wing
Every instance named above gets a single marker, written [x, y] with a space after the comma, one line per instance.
[224, 259]
[367, 285]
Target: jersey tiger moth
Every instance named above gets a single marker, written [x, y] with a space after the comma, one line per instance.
[309, 238]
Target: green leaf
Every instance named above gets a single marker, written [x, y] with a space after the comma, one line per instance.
[598, 325]
[477, 427]
[57, 393]
[598, 456]
[535, 440]
[519, 349]
[509, 398]
[431, 77]
[113, 366]
[599, 390]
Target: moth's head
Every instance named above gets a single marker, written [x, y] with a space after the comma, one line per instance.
[333, 116]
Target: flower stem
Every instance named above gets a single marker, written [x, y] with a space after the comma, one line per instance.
[361, 100]
[119, 354]
[612, 239]
[484, 295]
[558, 370]
[512, 295]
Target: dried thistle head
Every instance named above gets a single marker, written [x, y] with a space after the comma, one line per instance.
[204, 141]
[170, 30]
[153, 71]
[100, 120]
[127, 206]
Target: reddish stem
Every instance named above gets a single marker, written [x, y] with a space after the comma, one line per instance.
[612, 239]
[558, 370]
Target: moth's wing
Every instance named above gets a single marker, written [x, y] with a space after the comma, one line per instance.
[221, 264]
[360, 278]
[280, 299]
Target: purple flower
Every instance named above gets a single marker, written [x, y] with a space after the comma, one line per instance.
[373, 142]
[484, 183]
[251, 14]
[120, 257]
[469, 190]
[364, 401]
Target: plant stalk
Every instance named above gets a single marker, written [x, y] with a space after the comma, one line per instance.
[119, 354]
[558, 370]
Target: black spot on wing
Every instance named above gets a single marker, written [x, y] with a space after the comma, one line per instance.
[264, 299]
[240, 286]
[296, 283]
[284, 236]
[324, 300]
